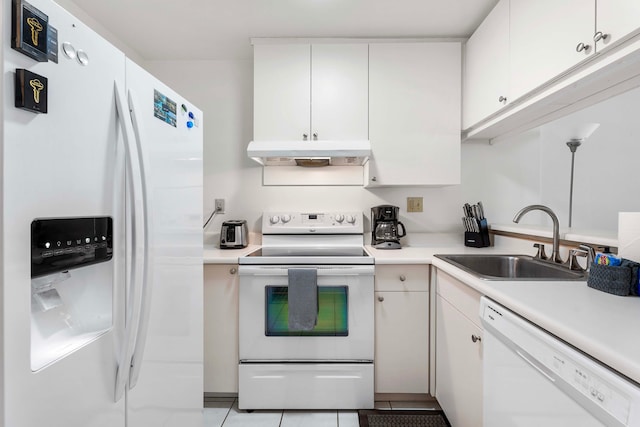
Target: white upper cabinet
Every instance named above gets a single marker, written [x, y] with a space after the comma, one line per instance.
[486, 73]
[281, 91]
[304, 91]
[340, 91]
[557, 53]
[548, 37]
[617, 20]
[414, 114]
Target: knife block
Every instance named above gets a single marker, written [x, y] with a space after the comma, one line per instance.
[477, 240]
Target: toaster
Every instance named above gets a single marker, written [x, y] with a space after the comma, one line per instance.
[234, 234]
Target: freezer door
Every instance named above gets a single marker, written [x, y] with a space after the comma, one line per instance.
[167, 371]
[60, 352]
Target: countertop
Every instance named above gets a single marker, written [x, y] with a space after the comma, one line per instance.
[599, 324]
[215, 255]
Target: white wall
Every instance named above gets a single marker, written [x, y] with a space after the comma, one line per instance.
[527, 169]
[537, 168]
[606, 179]
[223, 89]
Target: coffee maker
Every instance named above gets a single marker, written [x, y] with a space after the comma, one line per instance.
[385, 232]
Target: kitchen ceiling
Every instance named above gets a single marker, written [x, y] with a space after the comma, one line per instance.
[217, 29]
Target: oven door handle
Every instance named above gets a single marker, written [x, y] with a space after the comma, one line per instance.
[259, 271]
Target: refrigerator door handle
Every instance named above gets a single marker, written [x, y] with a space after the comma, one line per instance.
[136, 270]
[145, 304]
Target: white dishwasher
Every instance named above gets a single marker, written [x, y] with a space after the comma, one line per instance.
[532, 379]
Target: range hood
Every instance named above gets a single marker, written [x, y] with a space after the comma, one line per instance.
[309, 153]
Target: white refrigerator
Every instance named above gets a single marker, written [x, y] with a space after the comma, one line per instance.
[101, 233]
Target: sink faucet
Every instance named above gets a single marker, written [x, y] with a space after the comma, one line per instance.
[555, 254]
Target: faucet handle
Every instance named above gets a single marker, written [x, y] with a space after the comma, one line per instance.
[573, 262]
[540, 254]
[591, 254]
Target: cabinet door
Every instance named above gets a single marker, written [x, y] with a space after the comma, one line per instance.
[402, 342]
[486, 74]
[221, 328]
[398, 278]
[544, 37]
[281, 91]
[414, 113]
[458, 366]
[618, 19]
[340, 91]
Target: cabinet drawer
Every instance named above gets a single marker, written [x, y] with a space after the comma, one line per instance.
[400, 278]
[461, 296]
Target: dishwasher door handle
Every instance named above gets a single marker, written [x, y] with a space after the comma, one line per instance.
[536, 366]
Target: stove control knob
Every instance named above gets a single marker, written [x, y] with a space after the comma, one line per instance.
[351, 219]
[340, 218]
[286, 218]
[274, 219]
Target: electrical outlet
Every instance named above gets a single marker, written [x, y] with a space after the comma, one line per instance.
[219, 205]
[414, 204]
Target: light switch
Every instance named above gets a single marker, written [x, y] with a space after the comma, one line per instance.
[414, 204]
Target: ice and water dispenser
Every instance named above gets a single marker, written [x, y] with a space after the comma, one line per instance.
[71, 303]
[61, 244]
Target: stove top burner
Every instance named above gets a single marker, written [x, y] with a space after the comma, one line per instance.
[308, 252]
[259, 257]
[310, 239]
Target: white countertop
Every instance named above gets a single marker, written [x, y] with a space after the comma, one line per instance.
[215, 255]
[600, 324]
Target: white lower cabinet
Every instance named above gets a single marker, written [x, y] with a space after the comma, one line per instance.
[402, 329]
[458, 352]
[221, 328]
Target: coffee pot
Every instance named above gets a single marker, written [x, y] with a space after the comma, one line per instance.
[385, 227]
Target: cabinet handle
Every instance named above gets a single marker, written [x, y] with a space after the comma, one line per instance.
[502, 99]
[582, 47]
[233, 270]
[402, 278]
[476, 338]
[600, 36]
[305, 136]
[380, 298]
[374, 179]
[315, 136]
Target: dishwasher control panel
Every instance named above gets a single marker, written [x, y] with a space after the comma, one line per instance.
[589, 384]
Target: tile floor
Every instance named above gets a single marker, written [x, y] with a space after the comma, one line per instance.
[224, 412]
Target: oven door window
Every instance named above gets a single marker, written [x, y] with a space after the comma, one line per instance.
[332, 312]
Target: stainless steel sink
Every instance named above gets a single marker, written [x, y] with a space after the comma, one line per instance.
[511, 267]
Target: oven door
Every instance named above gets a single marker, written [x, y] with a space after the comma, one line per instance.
[345, 327]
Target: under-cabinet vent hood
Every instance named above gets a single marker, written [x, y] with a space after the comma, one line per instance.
[309, 153]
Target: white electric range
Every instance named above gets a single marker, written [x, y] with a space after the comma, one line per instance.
[331, 365]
